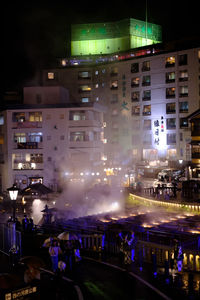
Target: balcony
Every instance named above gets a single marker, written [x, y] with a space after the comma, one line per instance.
[133, 84]
[28, 145]
[85, 123]
[23, 165]
[183, 95]
[169, 64]
[85, 144]
[26, 124]
[168, 80]
[146, 68]
[170, 96]
[146, 98]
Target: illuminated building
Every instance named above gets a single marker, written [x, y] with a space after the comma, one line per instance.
[149, 92]
[47, 136]
[194, 119]
[107, 38]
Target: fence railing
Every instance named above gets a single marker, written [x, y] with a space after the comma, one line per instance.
[6, 239]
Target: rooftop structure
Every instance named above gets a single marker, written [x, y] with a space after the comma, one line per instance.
[111, 37]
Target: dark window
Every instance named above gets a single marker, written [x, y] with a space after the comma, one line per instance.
[146, 80]
[134, 67]
[182, 60]
[171, 138]
[135, 96]
[146, 95]
[170, 108]
[171, 123]
[183, 123]
[183, 107]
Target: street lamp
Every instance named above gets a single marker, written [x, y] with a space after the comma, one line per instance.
[13, 193]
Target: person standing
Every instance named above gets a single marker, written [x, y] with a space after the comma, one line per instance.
[54, 251]
[25, 223]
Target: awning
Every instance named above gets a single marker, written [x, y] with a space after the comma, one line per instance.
[37, 188]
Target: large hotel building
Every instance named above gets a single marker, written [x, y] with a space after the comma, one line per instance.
[145, 90]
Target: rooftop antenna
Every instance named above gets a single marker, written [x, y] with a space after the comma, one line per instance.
[146, 22]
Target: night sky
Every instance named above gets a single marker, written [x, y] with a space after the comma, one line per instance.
[36, 33]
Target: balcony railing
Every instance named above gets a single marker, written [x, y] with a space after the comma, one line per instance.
[196, 155]
[27, 166]
[27, 145]
[170, 96]
[26, 124]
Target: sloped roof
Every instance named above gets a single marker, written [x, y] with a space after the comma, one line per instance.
[39, 188]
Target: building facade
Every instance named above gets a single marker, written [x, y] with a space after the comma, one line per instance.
[194, 119]
[45, 142]
[149, 93]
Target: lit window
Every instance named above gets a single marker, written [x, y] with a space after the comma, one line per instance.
[84, 99]
[170, 77]
[84, 88]
[146, 110]
[18, 117]
[84, 75]
[77, 115]
[114, 85]
[170, 61]
[1, 120]
[135, 110]
[183, 75]
[35, 117]
[135, 82]
[170, 92]
[51, 75]
[183, 91]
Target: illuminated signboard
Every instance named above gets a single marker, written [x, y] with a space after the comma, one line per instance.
[159, 132]
[22, 294]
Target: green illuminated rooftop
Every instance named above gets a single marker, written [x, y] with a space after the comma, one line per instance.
[112, 37]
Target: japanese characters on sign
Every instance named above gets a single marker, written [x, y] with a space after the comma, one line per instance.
[158, 128]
